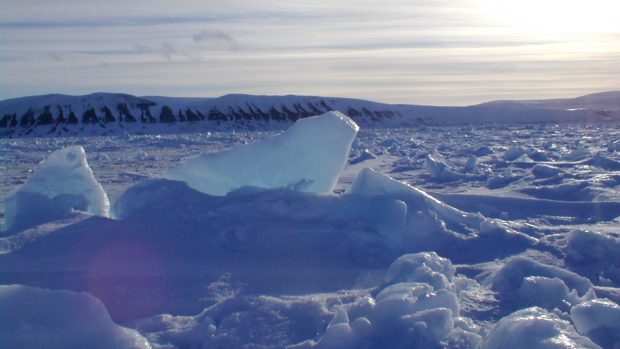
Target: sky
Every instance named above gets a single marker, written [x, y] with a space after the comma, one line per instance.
[433, 52]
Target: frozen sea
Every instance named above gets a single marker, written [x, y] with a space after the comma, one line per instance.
[120, 161]
[509, 234]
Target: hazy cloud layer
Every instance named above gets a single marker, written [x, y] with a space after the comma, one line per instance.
[209, 36]
[426, 52]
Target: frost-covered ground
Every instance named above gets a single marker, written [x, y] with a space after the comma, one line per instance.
[508, 236]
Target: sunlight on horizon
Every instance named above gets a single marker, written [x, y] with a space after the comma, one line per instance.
[555, 16]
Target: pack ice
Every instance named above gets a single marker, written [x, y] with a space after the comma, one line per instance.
[199, 260]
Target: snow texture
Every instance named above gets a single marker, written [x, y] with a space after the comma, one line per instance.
[598, 319]
[505, 253]
[37, 318]
[62, 183]
[307, 157]
[408, 313]
[535, 328]
[522, 282]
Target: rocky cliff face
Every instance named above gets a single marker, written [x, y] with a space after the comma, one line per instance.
[59, 114]
[110, 113]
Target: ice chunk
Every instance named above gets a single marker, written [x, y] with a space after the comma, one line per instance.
[483, 151]
[545, 171]
[37, 318]
[513, 153]
[439, 169]
[548, 293]
[596, 254]
[538, 155]
[576, 155]
[535, 328]
[408, 298]
[523, 282]
[409, 314]
[501, 180]
[425, 267]
[63, 182]
[605, 163]
[363, 156]
[471, 166]
[308, 157]
[598, 319]
[371, 183]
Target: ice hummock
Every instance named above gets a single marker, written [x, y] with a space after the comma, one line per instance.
[417, 308]
[307, 157]
[37, 318]
[598, 319]
[535, 328]
[62, 183]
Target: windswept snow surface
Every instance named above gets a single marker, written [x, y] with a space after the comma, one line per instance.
[492, 236]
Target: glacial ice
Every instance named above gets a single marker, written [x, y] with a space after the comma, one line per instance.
[307, 157]
[62, 183]
[38, 318]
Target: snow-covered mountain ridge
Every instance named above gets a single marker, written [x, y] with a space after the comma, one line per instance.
[112, 113]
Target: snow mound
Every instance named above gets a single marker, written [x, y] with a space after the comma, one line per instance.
[545, 171]
[37, 318]
[372, 183]
[522, 282]
[432, 224]
[307, 157]
[148, 193]
[535, 328]
[425, 267]
[596, 254]
[411, 314]
[62, 183]
[513, 153]
[598, 319]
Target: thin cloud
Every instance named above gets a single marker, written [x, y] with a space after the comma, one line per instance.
[218, 35]
[142, 48]
[167, 50]
[54, 57]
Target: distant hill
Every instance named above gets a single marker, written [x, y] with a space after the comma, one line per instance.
[114, 113]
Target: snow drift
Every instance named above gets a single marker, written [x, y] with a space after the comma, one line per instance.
[37, 318]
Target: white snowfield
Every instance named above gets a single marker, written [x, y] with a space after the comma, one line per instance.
[478, 246]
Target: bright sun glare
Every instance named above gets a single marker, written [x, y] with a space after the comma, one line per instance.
[556, 16]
